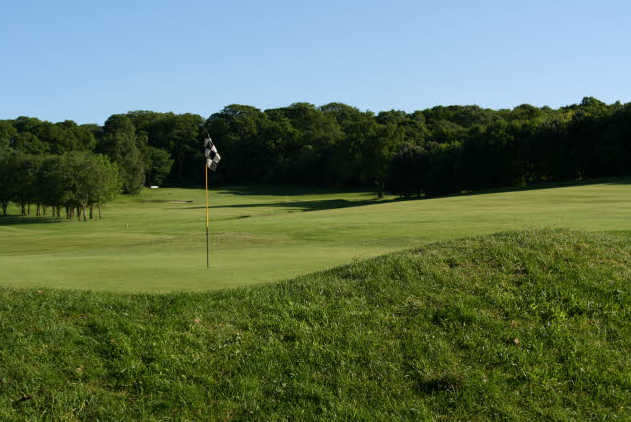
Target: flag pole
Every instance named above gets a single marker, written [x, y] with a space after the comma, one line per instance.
[207, 247]
[211, 161]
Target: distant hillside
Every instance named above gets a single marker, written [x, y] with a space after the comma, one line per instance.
[517, 326]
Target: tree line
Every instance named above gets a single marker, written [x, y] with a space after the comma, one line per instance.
[77, 182]
[437, 151]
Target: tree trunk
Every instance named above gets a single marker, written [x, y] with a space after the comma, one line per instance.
[91, 212]
[380, 188]
[100, 216]
[179, 165]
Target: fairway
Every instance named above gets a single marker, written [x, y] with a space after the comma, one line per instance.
[154, 242]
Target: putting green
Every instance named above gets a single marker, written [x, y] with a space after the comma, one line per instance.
[155, 241]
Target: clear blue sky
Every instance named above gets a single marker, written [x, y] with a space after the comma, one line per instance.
[85, 60]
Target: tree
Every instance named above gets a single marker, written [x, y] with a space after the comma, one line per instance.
[101, 184]
[6, 181]
[236, 131]
[23, 169]
[52, 178]
[8, 134]
[158, 163]
[376, 153]
[406, 170]
[119, 143]
[77, 181]
[177, 134]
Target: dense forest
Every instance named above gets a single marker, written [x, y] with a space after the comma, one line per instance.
[436, 151]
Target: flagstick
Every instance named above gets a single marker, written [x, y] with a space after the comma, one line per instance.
[207, 253]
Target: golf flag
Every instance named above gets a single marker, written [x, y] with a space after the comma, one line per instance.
[212, 161]
[212, 156]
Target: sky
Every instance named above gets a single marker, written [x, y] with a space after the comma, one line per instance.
[85, 60]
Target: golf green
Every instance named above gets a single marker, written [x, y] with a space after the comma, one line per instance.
[155, 241]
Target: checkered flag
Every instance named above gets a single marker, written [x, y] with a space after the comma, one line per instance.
[212, 156]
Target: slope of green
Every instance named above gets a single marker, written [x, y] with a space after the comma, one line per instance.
[149, 243]
[525, 326]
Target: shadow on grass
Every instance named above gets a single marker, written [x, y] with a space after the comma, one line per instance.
[625, 181]
[12, 220]
[537, 186]
[551, 185]
[281, 190]
[326, 204]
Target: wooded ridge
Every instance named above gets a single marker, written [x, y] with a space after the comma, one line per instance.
[437, 151]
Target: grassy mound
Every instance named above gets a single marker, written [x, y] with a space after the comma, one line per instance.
[518, 326]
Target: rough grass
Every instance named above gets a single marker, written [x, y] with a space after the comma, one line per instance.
[530, 325]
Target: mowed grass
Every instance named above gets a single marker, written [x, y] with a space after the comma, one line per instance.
[151, 243]
[522, 326]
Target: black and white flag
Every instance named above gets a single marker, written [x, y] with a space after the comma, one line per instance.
[212, 156]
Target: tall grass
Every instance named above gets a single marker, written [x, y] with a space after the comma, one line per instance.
[526, 326]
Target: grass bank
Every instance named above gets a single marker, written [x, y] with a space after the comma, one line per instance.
[530, 325]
